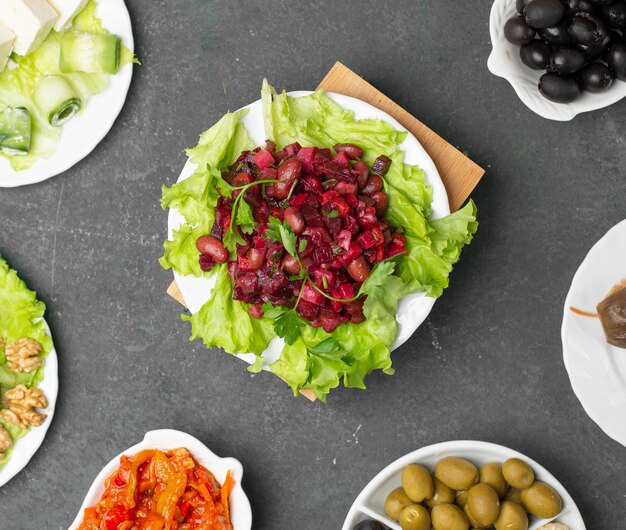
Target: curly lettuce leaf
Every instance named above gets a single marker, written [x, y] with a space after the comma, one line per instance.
[238, 331]
[18, 80]
[20, 316]
[195, 198]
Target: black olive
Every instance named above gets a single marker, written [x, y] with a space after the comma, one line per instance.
[616, 57]
[566, 60]
[587, 29]
[535, 55]
[543, 13]
[596, 51]
[516, 31]
[559, 88]
[577, 6]
[615, 14]
[596, 78]
[369, 525]
[556, 35]
[520, 5]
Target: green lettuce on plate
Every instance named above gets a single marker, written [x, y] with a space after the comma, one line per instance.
[312, 358]
[21, 315]
[19, 80]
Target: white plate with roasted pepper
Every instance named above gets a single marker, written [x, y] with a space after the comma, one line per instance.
[28, 374]
[461, 484]
[594, 333]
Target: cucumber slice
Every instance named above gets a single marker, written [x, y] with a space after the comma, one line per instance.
[56, 99]
[92, 53]
[15, 131]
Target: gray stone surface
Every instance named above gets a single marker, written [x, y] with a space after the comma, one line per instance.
[486, 365]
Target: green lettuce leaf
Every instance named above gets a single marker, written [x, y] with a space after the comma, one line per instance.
[17, 82]
[20, 316]
[238, 331]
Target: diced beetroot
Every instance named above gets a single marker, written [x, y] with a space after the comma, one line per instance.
[345, 291]
[242, 179]
[312, 217]
[318, 274]
[323, 254]
[270, 146]
[244, 264]
[264, 159]
[343, 239]
[306, 155]
[233, 268]
[351, 199]
[269, 173]
[309, 294]
[394, 250]
[350, 224]
[398, 239]
[277, 282]
[246, 282]
[342, 159]
[206, 262]
[353, 252]
[378, 236]
[335, 201]
[333, 170]
[346, 188]
[318, 235]
[329, 321]
[292, 149]
[367, 218]
[308, 311]
[367, 240]
[333, 224]
[323, 153]
[280, 156]
[256, 310]
[299, 200]
[313, 184]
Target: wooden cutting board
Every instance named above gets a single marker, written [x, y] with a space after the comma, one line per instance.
[458, 173]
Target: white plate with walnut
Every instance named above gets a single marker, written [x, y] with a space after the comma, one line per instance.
[28, 374]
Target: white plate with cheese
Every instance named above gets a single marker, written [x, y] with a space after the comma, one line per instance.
[31, 20]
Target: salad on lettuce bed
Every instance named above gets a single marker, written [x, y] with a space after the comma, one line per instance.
[351, 332]
[43, 90]
[24, 343]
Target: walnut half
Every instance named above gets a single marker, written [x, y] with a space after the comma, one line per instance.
[5, 442]
[23, 355]
[20, 403]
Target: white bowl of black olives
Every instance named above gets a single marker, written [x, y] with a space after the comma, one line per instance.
[562, 57]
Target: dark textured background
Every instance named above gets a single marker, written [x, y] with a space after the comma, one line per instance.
[486, 365]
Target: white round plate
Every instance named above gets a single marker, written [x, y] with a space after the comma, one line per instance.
[597, 370]
[413, 309]
[505, 62]
[27, 446]
[82, 134]
[166, 439]
[370, 503]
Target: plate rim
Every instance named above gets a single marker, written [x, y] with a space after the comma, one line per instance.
[457, 446]
[430, 170]
[165, 439]
[577, 387]
[37, 435]
[20, 178]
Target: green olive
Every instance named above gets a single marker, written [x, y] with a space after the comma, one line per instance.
[492, 474]
[542, 500]
[417, 483]
[483, 504]
[449, 517]
[518, 473]
[461, 498]
[456, 473]
[512, 517]
[415, 517]
[514, 495]
[473, 522]
[396, 501]
[443, 494]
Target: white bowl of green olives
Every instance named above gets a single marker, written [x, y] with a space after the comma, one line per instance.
[562, 57]
[465, 474]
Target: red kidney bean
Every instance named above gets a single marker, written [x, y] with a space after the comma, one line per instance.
[352, 151]
[359, 270]
[290, 170]
[318, 234]
[364, 172]
[374, 184]
[213, 247]
[381, 202]
[290, 265]
[295, 219]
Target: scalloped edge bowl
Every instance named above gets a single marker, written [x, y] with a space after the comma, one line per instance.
[166, 439]
[504, 62]
[370, 503]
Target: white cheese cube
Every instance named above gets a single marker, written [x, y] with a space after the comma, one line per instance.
[29, 20]
[67, 10]
[6, 45]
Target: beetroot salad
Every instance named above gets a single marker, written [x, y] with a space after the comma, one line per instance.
[317, 230]
[313, 238]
